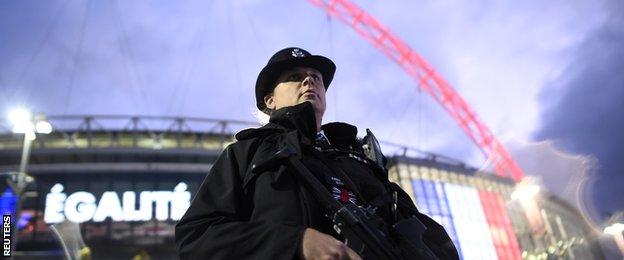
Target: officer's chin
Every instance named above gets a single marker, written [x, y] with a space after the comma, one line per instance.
[316, 104]
[308, 99]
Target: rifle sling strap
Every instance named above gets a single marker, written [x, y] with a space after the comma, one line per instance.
[318, 190]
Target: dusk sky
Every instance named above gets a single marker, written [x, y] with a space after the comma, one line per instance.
[547, 77]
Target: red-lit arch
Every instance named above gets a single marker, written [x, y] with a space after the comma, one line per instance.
[427, 78]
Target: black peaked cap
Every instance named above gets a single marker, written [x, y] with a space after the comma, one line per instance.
[287, 59]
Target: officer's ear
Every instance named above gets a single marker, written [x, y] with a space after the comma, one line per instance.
[269, 101]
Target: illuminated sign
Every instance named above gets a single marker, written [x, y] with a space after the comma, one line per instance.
[81, 206]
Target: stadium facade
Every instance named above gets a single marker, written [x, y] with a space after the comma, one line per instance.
[120, 183]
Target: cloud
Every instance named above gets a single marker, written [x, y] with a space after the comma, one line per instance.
[583, 108]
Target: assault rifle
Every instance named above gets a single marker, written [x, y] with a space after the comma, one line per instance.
[355, 224]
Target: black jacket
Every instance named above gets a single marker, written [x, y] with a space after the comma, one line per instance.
[240, 214]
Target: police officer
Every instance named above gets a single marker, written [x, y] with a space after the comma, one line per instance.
[241, 212]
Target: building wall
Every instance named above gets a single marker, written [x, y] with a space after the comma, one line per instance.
[484, 222]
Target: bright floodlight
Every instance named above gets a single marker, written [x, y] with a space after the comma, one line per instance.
[525, 191]
[615, 229]
[19, 115]
[22, 121]
[43, 127]
[21, 118]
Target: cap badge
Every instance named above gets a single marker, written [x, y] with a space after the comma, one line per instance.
[297, 53]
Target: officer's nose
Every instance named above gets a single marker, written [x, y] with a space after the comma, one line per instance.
[308, 81]
[312, 79]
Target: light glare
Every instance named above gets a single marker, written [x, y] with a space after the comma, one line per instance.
[615, 229]
[19, 116]
[22, 128]
[525, 192]
[43, 127]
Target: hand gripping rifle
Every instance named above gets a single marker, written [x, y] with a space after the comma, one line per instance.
[351, 221]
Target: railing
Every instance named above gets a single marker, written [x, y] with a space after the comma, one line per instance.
[125, 131]
[406, 151]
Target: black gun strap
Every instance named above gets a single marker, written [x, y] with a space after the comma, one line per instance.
[342, 175]
[319, 191]
[379, 201]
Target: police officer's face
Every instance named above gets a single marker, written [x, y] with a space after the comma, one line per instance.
[296, 86]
